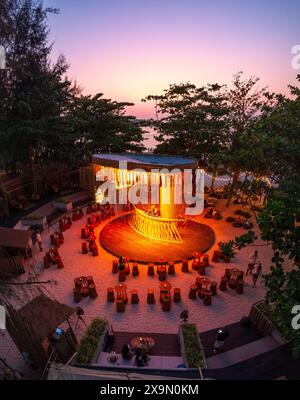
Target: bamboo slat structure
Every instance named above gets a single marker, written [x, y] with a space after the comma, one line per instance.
[156, 228]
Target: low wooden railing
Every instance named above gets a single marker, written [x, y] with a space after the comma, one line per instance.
[260, 320]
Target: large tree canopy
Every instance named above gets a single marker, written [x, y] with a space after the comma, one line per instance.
[42, 114]
[94, 124]
[191, 121]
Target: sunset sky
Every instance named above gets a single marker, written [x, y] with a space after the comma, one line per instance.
[128, 49]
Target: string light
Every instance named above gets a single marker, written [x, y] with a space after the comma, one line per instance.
[228, 178]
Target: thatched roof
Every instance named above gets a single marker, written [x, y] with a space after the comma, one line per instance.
[16, 238]
[45, 315]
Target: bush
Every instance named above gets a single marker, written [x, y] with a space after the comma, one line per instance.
[281, 318]
[192, 346]
[90, 341]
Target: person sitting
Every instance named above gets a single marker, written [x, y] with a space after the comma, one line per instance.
[139, 361]
[145, 357]
[138, 358]
[126, 352]
[221, 336]
[121, 264]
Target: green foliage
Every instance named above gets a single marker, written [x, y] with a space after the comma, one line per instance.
[90, 341]
[278, 220]
[228, 248]
[281, 318]
[192, 346]
[192, 121]
[43, 118]
[94, 124]
[244, 240]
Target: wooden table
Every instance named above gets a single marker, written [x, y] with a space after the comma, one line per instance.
[162, 271]
[121, 292]
[234, 277]
[83, 285]
[143, 343]
[202, 282]
[165, 288]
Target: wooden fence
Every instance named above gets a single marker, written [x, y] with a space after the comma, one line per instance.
[260, 320]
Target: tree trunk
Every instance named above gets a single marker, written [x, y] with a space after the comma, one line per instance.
[213, 179]
[235, 179]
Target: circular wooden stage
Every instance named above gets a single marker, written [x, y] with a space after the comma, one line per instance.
[119, 239]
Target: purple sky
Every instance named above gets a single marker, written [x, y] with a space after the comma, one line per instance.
[128, 49]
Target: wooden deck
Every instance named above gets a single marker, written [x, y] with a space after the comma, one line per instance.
[119, 239]
[165, 344]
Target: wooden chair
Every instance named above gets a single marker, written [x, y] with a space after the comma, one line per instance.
[60, 264]
[177, 295]
[232, 284]
[201, 269]
[115, 266]
[110, 295]
[193, 292]
[240, 287]
[46, 262]
[195, 265]
[84, 248]
[206, 260]
[166, 304]
[223, 284]
[61, 238]
[120, 306]
[76, 295]
[201, 293]
[162, 275]
[122, 276]
[216, 256]
[207, 298]
[90, 279]
[52, 240]
[134, 297]
[171, 268]
[150, 271]
[185, 266]
[213, 288]
[150, 296]
[135, 270]
[62, 225]
[95, 251]
[93, 291]
[227, 273]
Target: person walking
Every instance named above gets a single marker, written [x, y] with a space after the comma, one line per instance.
[256, 274]
[253, 260]
[39, 240]
[221, 336]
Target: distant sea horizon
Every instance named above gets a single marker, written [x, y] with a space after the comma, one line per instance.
[149, 141]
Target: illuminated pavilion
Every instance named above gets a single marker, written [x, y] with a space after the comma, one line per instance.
[156, 226]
